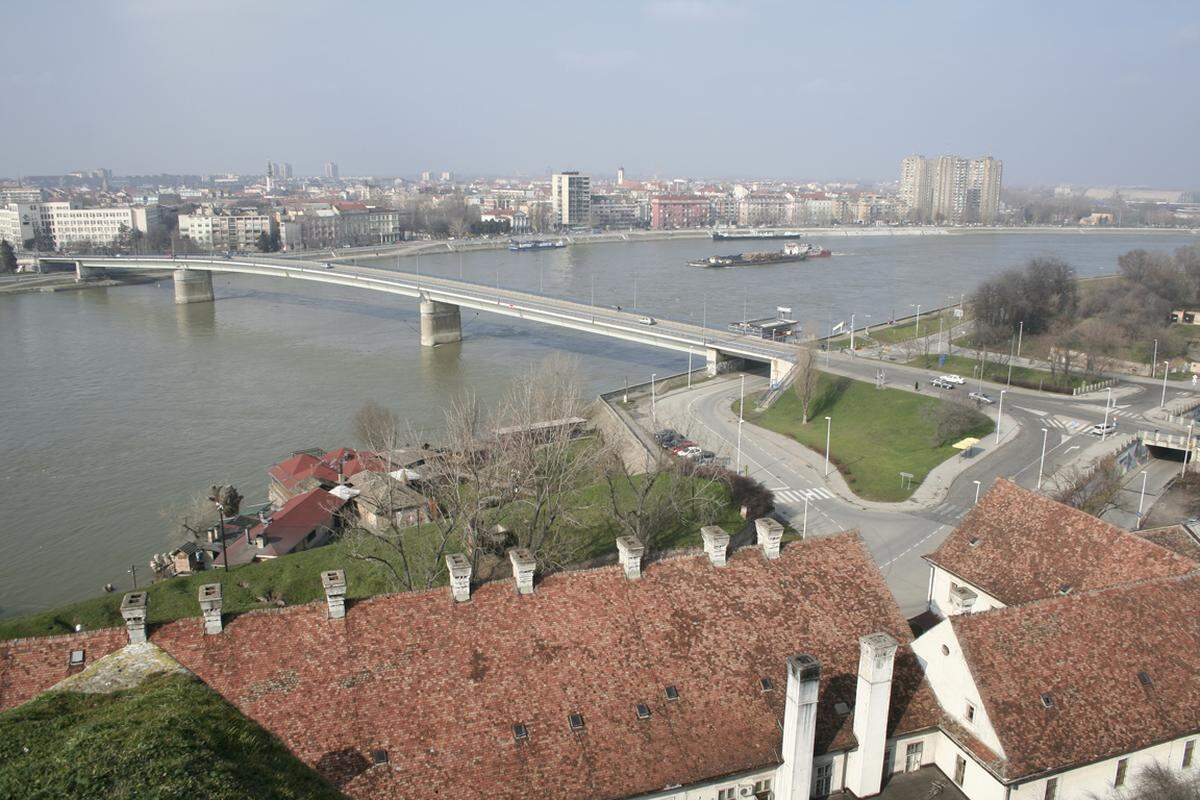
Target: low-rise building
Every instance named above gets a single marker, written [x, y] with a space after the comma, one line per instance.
[305, 521]
[226, 229]
[671, 212]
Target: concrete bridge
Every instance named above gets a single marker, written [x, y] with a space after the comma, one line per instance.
[441, 300]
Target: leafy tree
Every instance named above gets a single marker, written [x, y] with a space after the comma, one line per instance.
[8, 259]
[264, 242]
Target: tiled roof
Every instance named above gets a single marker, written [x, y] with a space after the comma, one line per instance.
[29, 667]
[291, 472]
[287, 527]
[439, 685]
[1086, 653]
[1019, 546]
[1176, 538]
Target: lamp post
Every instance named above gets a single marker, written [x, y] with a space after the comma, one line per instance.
[1187, 451]
[851, 333]
[1020, 333]
[221, 528]
[689, 367]
[828, 431]
[1142, 499]
[1166, 369]
[1010, 362]
[1154, 359]
[977, 485]
[741, 409]
[804, 530]
[593, 291]
[653, 402]
[918, 331]
[1107, 409]
[1042, 463]
[999, 411]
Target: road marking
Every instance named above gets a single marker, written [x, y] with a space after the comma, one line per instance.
[914, 546]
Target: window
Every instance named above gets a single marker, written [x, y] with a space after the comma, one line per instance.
[1122, 768]
[727, 794]
[823, 784]
[1189, 750]
[762, 788]
[1051, 789]
[912, 756]
[672, 693]
[960, 769]
[945, 650]
[970, 712]
[575, 721]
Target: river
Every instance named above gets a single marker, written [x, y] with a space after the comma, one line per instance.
[116, 405]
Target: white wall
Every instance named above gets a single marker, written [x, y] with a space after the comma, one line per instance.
[978, 783]
[1096, 780]
[939, 600]
[952, 683]
[708, 790]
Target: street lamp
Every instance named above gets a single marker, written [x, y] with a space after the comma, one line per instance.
[999, 411]
[918, 331]
[1042, 464]
[653, 402]
[804, 530]
[1154, 359]
[1107, 409]
[852, 333]
[1142, 499]
[1166, 369]
[1187, 451]
[1020, 333]
[977, 485]
[741, 410]
[828, 431]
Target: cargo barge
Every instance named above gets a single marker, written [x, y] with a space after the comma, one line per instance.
[790, 252]
[756, 234]
[535, 244]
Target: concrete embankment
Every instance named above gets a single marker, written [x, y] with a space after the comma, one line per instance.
[65, 282]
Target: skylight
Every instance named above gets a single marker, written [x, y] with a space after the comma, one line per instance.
[520, 732]
[672, 693]
[576, 722]
[643, 711]
[1047, 700]
[1145, 679]
[766, 684]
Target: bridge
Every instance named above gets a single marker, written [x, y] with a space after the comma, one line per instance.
[441, 301]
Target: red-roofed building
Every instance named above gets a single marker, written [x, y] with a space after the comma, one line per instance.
[300, 473]
[306, 520]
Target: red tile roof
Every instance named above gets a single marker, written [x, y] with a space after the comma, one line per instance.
[1027, 546]
[349, 461]
[29, 667]
[1085, 652]
[439, 685]
[291, 472]
[287, 527]
[1175, 538]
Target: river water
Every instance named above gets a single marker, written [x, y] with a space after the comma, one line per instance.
[116, 405]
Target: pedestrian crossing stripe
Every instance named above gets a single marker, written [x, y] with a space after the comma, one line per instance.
[1065, 423]
[950, 510]
[799, 495]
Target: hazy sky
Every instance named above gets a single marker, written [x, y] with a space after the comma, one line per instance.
[1091, 92]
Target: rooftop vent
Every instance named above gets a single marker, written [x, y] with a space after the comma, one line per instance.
[1145, 679]
[841, 709]
[77, 657]
[459, 567]
[520, 732]
[770, 536]
[716, 543]
[643, 711]
[672, 693]
[630, 551]
[523, 567]
[576, 722]
[766, 684]
[973, 541]
[379, 756]
[1064, 589]
[1047, 700]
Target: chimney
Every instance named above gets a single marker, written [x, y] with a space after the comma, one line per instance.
[799, 728]
[630, 551]
[716, 542]
[133, 609]
[210, 606]
[459, 567]
[334, 581]
[864, 766]
[770, 536]
[523, 566]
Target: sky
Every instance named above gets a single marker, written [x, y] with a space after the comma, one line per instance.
[1088, 93]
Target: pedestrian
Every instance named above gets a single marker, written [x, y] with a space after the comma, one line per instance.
[916, 386]
[1193, 381]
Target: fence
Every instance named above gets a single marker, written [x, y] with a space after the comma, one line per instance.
[1179, 412]
[1094, 387]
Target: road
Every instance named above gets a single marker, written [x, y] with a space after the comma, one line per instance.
[898, 538]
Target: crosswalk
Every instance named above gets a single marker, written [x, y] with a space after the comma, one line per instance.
[800, 495]
[1068, 425]
[949, 513]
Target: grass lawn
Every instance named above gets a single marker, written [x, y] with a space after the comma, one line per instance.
[902, 332]
[170, 737]
[877, 434]
[295, 578]
[1021, 376]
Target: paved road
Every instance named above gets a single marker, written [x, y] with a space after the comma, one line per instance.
[898, 539]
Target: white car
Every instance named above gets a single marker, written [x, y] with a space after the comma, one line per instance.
[1100, 429]
[980, 397]
[646, 320]
[954, 379]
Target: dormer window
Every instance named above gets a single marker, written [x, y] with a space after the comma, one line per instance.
[1047, 700]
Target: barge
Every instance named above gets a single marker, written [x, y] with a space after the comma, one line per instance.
[792, 251]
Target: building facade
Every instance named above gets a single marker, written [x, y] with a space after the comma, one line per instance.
[950, 189]
[571, 194]
[226, 230]
[671, 212]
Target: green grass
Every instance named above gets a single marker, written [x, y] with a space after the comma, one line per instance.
[172, 737]
[877, 434]
[998, 373]
[295, 578]
[901, 332]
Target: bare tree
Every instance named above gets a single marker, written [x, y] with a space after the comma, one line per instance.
[1158, 782]
[952, 419]
[1095, 490]
[807, 378]
[192, 518]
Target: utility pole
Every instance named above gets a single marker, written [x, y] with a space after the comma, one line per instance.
[1166, 370]
[1042, 464]
[1142, 499]
[999, 411]
[741, 409]
[828, 431]
[1154, 360]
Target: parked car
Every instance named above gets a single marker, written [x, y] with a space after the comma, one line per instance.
[690, 452]
[666, 436]
[955, 379]
[941, 383]
[646, 321]
[1100, 429]
[706, 457]
[981, 398]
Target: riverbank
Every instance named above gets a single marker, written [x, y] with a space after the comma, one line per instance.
[65, 282]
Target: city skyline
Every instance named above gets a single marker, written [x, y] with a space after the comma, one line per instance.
[1032, 91]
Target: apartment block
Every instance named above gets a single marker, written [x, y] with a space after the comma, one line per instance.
[571, 193]
[218, 229]
[950, 189]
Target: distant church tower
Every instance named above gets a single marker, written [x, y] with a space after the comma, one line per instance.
[620, 176]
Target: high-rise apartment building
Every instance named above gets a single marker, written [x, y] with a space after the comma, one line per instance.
[949, 188]
[331, 170]
[572, 196]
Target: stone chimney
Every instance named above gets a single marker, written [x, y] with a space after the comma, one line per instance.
[864, 765]
[795, 775]
[334, 581]
[770, 536]
[630, 550]
[716, 543]
[133, 609]
[459, 567]
[210, 606]
[523, 567]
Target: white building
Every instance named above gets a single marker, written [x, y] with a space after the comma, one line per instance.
[225, 229]
[571, 194]
[950, 189]
[71, 225]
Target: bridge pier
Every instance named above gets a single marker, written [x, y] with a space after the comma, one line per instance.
[83, 273]
[719, 363]
[441, 323]
[193, 286]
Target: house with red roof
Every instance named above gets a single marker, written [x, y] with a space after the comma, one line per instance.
[305, 521]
